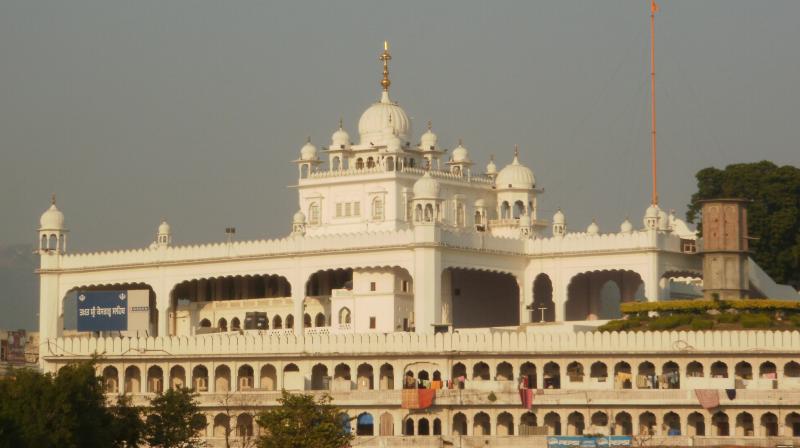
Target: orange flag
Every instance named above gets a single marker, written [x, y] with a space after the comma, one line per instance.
[653, 6]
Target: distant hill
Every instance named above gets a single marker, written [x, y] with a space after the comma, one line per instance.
[19, 287]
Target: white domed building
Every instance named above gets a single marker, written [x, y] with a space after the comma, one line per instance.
[403, 268]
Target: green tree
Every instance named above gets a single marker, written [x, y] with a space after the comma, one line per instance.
[773, 217]
[128, 426]
[65, 410]
[174, 420]
[302, 422]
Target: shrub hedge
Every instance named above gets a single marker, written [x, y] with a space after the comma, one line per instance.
[681, 306]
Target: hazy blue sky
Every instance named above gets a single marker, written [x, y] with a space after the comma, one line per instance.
[133, 110]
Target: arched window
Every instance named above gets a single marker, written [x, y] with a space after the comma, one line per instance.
[313, 214]
[53, 242]
[390, 164]
[377, 209]
[235, 324]
[344, 316]
[478, 220]
[519, 209]
[290, 321]
[336, 163]
[277, 322]
[222, 324]
[319, 320]
[418, 213]
[505, 210]
[44, 243]
[307, 320]
[460, 218]
[205, 323]
[370, 162]
[359, 163]
[428, 213]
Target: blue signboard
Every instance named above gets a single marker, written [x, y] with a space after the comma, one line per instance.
[588, 442]
[102, 310]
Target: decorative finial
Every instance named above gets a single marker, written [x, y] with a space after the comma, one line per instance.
[341, 123]
[459, 142]
[53, 199]
[429, 125]
[308, 139]
[516, 150]
[385, 58]
[491, 157]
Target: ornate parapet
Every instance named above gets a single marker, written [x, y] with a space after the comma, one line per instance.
[252, 343]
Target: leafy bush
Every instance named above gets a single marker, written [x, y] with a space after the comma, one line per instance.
[668, 306]
[728, 318]
[795, 320]
[699, 323]
[683, 306]
[765, 305]
[669, 322]
[755, 321]
[621, 325]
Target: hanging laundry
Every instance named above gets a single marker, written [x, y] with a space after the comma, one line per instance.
[425, 398]
[436, 384]
[526, 398]
[410, 399]
[417, 398]
[708, 398]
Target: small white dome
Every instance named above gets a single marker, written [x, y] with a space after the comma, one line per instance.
[593, 228]
[460, 154]
[52, 218]
[559, 218]
[393, 144]
[515, 175]
[426, 187]
[299, 217]
[491, 168]
[428, 140]
[340, 139]
[164, 228]
[308, 151]
[381, 115]
[663, 220]
[652, 212]
[626, 226]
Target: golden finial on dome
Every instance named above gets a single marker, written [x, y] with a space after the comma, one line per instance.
[429, 125]
[341, 123]
[385, 58]
[53, 199]
[516, 150]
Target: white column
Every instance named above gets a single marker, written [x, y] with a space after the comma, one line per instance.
[50, 307]
[427, 288]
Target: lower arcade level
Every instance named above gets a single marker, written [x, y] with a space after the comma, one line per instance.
[663, 388]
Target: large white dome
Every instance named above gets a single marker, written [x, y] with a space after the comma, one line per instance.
[380, 116]
[426, 187]
[52, 218]
[515, 175]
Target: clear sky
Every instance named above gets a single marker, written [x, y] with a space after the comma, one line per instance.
[192, 110]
